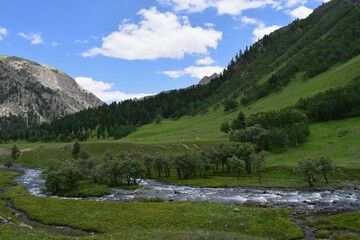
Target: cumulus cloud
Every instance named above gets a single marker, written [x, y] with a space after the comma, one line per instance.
[293, 3]
[194, 71]
[247, 20]
[3, 33]
[300, 12]
[103, 90]
[34, 38]
[187, 5]
[261, 29]
[157, 35]
[236, 7]
[231, 7]
[205, 61]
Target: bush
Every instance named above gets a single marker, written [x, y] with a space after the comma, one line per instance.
[62, 180]
[230, 104]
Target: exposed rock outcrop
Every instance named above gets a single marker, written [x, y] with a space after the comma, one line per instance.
[37, 91]
[206, 80]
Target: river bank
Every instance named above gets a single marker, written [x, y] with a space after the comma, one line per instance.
[335, 200]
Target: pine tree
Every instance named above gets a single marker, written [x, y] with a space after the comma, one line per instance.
[76, 150]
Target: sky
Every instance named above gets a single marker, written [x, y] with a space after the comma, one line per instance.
[121, 49]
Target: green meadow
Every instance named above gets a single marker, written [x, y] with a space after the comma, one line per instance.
[206, 127]
[339, 140]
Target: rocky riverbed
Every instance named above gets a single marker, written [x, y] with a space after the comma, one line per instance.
[335, 200]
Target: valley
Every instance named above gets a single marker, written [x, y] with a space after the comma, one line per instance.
[267, 149]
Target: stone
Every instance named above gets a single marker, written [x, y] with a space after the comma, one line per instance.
[41, 90]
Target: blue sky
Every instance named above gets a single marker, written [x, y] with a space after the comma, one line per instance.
[122, 49]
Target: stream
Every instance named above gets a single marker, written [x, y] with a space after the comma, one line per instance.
[336, 200]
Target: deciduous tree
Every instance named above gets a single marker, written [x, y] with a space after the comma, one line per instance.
[307, 167]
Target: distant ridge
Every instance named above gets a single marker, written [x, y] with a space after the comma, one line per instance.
[205, 80]
[39, 93]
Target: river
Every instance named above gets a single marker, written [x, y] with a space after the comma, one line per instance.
[326, 200]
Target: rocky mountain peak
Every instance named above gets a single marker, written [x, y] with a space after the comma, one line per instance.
[205, 80]
[40, 92]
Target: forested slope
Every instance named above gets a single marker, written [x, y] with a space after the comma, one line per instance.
[330, 36]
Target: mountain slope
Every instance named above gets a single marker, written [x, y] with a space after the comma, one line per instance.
[207, 126]
[39, 93]
[293, 56]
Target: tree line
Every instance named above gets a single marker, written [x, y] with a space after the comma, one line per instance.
[333, 104]
[111, 170]
[234, 158]
[297, 50]
[286, 127]
[320, 45]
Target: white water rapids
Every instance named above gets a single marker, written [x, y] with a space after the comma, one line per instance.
[327, 200]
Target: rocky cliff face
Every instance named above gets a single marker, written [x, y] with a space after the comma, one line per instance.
[39, 92]
[206, 80]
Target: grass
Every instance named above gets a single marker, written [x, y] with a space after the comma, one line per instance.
[42, 155]
[275, 176]
[338, 140]
[206, 127]
[112, 217]
[175, 235]
[15, 231]
[344, 226]
[10, 225]
[88, 189]
[6, 178]
[344, 221]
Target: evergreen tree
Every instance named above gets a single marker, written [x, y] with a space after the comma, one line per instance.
[76, 150]
[15, 153]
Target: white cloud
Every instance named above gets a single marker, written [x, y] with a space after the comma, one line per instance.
[300, 12]
[209, 25]
[194, 71]
[81, 41]
[293, 3]
[157, 35]
[55, 44]
[231, 7]
[3, 33]
[34, 38]
[205, 61]
[236, 7]
[187, 5]
[261, 30]
[103, 90]
[252, 21]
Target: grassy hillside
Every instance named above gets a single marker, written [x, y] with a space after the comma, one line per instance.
[338, 140]
[205, 127]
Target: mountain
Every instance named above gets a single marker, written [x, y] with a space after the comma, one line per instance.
[298, 53]
[205, 80]
[39, 93]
